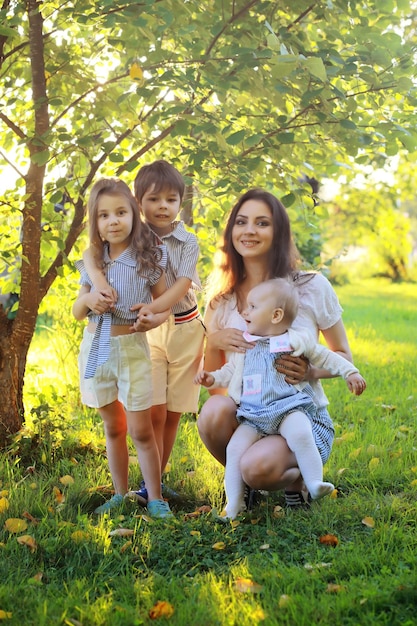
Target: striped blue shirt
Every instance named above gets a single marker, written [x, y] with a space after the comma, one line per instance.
[183, 252]
[132, 288]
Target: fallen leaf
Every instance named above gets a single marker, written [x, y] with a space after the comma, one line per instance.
[79, 536]
[219, 545]
[329, 540]
[30, 517]
[125, 546]
[195, 533]
[373, 463]
[235, 523]
[310, 567]
[284, 601]
[355, 453]
[37, 578]
[161, 609]
[246, 585]
[278, 512]
[333, 588]
[199, 511]
[255, 520]
[66, 480]
[5, 614]
[4, 493]
[27, 540]
[59, 496]
[369, 521]
[334, 493]
[122, 532]
[15, 525]
[264, 546]
[4, 504]
[167, 468]
[342, 470]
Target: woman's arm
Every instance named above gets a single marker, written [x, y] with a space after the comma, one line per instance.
[298, 369]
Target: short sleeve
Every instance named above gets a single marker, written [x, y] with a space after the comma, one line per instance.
[155, 275]
[84, 277]
[319, 307]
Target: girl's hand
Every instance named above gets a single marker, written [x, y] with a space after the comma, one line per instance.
[229, 340]
[297, 369]
[356, 384]
[204, 378]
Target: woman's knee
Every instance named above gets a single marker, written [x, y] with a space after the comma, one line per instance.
[218, 412]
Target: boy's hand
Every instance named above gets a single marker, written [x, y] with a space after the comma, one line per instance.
[110, 294]
[142, 309]
[98, 303]
[204, 378]
[356, 384]
[145, 321]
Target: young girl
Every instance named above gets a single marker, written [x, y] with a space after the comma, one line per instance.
[115, 368]
[267, 403]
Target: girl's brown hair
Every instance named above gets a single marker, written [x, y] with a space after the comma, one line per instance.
[147, 254]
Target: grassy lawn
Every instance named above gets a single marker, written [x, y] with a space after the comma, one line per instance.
[349, 560]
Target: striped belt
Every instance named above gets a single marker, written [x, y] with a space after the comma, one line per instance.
[186, 316]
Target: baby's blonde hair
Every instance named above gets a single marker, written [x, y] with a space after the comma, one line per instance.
[285, 297]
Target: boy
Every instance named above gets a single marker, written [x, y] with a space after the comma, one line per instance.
[176, 345]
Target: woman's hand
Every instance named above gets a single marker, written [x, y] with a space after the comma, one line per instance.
[229, 340]
[296, 369]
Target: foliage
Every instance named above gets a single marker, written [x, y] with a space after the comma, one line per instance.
[266, 93]
[367, 228]
[349, 560]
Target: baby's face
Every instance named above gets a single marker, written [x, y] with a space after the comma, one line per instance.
[259, 311]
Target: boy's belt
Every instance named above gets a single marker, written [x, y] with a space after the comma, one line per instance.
[186, 316]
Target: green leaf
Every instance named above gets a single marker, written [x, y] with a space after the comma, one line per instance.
[236, 138]
[316, 67]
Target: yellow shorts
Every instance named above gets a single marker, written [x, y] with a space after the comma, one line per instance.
[177, 355]
[126, 376]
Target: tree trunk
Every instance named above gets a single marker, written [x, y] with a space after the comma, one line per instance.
[14, 345]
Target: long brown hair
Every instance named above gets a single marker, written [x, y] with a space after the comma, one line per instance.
[147, 255]
[282, 257]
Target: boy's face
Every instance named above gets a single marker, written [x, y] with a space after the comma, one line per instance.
[259, 312]
[160, 209]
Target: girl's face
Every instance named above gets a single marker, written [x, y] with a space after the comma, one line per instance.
[115, 221]
[253, 232]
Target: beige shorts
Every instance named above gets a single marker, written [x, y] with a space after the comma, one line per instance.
[126, 376]
[176, 354]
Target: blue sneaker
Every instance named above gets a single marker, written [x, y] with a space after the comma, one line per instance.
[159, 509]
[142, 492]
[114, 502]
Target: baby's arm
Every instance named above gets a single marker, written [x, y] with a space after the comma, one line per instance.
[98, 278]
[204, 378]
[356, 384]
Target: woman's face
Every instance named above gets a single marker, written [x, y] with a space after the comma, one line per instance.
[253, 232]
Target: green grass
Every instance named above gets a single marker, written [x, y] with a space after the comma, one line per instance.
[80, 574]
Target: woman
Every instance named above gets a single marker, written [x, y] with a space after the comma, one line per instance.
[258, 246]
